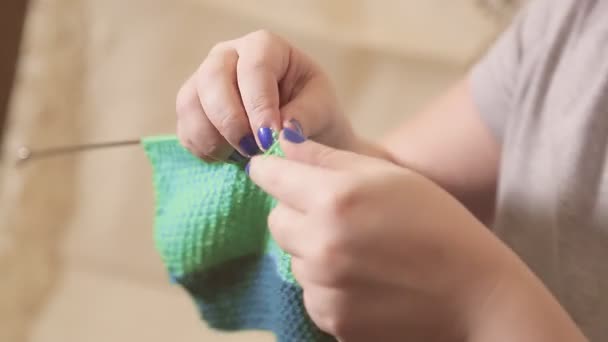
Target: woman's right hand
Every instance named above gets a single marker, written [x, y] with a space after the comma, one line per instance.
[250, 87]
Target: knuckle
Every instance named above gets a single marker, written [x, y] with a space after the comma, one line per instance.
[206, 148]
[184, 101]
[209, 71]
[211, 146]
[217, 63]
[229, 124]
[220, 48]
[187, 142]
[330, 250]
[213, 104]
[208, 152]
[334, 261]
[258, 60]
[263, 37]
[260, 47]
[341, 200]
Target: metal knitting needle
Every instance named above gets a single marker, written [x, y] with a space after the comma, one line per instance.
[25, 154]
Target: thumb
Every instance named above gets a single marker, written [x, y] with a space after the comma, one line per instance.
[296, 147]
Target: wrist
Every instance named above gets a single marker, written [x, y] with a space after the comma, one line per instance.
[520, 308]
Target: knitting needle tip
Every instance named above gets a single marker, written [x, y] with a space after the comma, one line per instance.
[23, 153]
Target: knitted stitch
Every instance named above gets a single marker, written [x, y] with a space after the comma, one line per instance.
[211, 232]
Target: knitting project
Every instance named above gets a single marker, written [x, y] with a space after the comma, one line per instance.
[211, 232]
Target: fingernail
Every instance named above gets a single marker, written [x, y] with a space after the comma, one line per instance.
[266, 137]
[249, 145]
[237, 157]
[293, 135]
[296, 124]
[247, 168]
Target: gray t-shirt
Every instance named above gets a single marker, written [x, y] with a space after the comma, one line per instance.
[543, 90]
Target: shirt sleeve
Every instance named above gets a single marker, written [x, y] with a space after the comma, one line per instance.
[494, 78]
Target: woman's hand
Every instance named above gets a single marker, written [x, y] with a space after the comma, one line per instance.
[256, 84]
[382, 253]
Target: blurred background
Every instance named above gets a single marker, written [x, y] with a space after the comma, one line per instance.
[77, 261]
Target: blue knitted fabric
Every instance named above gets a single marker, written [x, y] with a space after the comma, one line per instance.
[211, 232]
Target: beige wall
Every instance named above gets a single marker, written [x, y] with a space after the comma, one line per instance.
[76, 251]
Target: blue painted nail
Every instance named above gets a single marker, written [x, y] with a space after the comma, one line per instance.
[265, 135]
[249, 145]
[293, 135]
[296, 124]
[247, 168]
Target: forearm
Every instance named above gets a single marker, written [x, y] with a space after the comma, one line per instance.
[522, 309]
[447, 143]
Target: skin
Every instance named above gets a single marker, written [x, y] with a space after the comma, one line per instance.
[387, 238]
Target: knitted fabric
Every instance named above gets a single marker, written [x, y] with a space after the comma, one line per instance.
[211, 232]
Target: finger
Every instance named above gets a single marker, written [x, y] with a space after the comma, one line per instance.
[298, 270]
[309, 152]
[297, 185]
[219, 97]
[344, 313]
[292, 230]
[263, 61]
[308, 110]
[325, 306]
[307, 270]
[194, 130]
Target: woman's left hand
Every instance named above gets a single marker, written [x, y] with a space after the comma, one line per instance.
[382, 253]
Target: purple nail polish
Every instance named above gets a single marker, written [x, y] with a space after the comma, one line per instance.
[296, 124]
[247, 168]
[249, 145]
[293, 136]
[266, 137]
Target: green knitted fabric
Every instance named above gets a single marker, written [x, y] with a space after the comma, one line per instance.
[211, 232]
